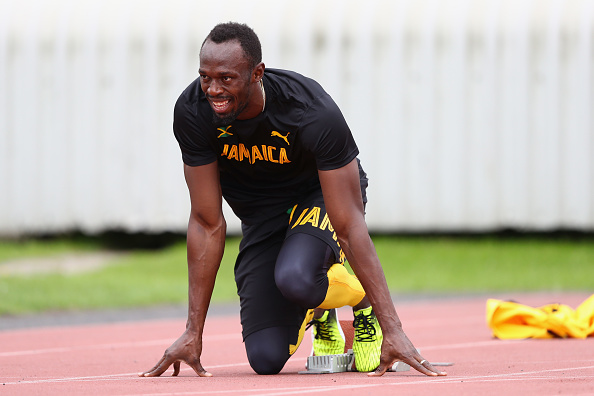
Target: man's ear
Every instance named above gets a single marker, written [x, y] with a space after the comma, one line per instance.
[258, 72]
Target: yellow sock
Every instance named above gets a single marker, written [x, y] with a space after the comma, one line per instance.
[343, 289]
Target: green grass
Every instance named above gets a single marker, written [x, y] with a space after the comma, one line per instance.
[139, 278]
[11, 250]
[412, 265]
[483, 264]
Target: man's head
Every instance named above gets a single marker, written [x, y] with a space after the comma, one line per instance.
[230, 72]
[241, 32]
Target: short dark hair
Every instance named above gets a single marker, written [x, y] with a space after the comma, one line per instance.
[241, 32]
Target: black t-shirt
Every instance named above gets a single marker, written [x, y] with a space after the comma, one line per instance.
[270, 162]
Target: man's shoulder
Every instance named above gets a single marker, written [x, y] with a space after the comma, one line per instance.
[192, 103]
[191, 94]
[286, 74]
[288, 84]
[190, 110]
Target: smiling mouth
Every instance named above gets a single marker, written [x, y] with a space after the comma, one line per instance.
[220, 106]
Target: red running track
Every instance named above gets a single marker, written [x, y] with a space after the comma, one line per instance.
[105, 359]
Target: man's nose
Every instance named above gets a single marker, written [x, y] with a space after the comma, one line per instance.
[214, 88]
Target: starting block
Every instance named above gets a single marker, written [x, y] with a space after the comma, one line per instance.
[346, 361]
[341, 363]
[329, 364]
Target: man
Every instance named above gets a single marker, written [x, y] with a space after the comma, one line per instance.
[277, 148]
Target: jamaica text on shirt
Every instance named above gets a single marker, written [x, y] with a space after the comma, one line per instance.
[255, 153]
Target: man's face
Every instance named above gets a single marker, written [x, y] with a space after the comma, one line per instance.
[228, 82]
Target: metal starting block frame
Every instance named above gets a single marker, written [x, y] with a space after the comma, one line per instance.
[341, 363]
[329, 364]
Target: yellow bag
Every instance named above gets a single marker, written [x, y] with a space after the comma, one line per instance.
[510, 320]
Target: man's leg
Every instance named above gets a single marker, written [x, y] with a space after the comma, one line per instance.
[267, 349]
[301, 269]
[306, 272]
[263, 307]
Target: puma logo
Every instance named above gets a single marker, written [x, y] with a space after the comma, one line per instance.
[277, 134]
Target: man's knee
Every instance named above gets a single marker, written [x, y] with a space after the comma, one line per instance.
[300, 287]
[267, 357]
[265, 364]
[300, 272]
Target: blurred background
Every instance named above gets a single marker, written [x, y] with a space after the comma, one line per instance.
[471, 115]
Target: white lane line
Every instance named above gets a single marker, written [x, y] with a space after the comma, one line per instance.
[126, 376]
[121, 376]
[139, 344]
[492, 378]
[221, 337]
[518, 376]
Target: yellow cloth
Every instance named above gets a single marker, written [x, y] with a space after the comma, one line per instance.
[510, 320]
[343, 289]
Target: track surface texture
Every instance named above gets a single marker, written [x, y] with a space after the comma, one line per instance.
[104, 359]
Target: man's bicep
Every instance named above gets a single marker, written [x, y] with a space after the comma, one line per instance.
[205, 193]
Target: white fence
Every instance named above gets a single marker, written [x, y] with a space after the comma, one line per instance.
[470, 114]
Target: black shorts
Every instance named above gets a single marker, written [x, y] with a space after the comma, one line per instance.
[262, 303]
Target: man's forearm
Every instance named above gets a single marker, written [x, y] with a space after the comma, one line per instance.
[205, 251]
[362, 257]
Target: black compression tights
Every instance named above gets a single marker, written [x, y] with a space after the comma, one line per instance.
[268, 349]
[301, 269]
[300, 275]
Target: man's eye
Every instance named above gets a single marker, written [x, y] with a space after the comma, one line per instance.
[226, 78]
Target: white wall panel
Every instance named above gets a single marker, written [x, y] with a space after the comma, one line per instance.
[470, 114]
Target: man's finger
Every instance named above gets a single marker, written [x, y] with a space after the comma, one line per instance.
[143, 374]
[175, 368]
[158, 369]
[379, 371]
[200, 370]
[427, 368]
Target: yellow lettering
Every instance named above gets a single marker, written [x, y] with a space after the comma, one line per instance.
[256, 154]
[282, 157]
[300, 216]
[264, 152]
[233, 153]
[243, 152]
[270, 158]
[326, 223]
[312, 217]
[239, 152]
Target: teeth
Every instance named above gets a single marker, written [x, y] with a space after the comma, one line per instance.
[220, 105]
